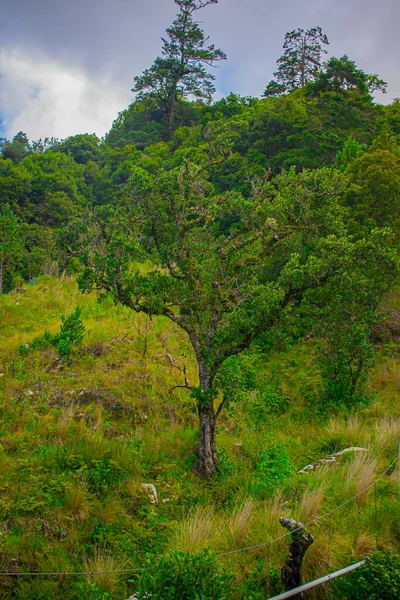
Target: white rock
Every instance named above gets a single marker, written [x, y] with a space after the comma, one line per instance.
[330, 459]
[353, 449]
[152, 492]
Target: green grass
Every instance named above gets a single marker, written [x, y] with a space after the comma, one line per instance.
[77, 441]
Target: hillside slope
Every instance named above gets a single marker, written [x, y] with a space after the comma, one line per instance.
[79, 439]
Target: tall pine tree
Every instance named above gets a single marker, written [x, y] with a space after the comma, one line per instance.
[300, 62]
[181, 69]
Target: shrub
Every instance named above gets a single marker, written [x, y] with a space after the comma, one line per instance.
[71, 333]
[90, 590]
[225, 465]
[378, 579]
[258, 581]
[269, 400]
[274, 465]
[185, 576]
[345, 358]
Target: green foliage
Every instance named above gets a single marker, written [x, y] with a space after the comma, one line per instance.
[274, 466]
[225, 286]
[378, 579]
[90, 590]
[346, 357]
[58, 190]
[11, 242]
[82, 148]
[195, 576]
[255, 585]
[374, 186]
[101, 474]
[236, 377]
[269, 399]
[349, 153]
[37, 589]
[71, 334]
[341, 76]
[345, 315]
[17, 149]
[15, 188]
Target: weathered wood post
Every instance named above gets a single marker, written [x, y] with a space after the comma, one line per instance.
[300, 542]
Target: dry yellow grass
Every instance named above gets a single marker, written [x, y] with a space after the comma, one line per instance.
[239, 523]
[64, 422]
[309, 504]
[77, 503]
[360, 477]
[202, 528]
[108, 511]
[364, 544]
[318, 558]
[387, 433]
[105, 564]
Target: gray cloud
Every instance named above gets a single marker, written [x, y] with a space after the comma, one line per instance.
[68, 66]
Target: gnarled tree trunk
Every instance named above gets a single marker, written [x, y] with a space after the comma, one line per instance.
[207, 457]
[207, 449]
[300, 542]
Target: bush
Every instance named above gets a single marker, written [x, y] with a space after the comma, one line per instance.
[255, 586]
[378, 579]
[271, 399]
[346, 356]
[91, 591]
[274, 465]
[71, 333]
[185, 576]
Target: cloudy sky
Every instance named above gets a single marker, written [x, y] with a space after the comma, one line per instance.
[67, 66]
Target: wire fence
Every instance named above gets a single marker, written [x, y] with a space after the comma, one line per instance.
[317, 519]
[267, 544]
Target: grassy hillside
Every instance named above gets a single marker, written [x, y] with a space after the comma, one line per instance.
[79, 439]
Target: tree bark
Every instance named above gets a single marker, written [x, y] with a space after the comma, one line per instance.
[303, 61]
[171, 114]
[207, 456]
[207, 461]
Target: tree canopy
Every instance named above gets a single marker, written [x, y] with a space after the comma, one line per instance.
[225, 285]
[11, 242]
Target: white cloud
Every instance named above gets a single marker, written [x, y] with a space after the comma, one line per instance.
[45, 98]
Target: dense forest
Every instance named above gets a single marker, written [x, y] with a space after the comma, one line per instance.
[193, 309]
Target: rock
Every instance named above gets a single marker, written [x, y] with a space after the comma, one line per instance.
[353, 449]
[151, 491]
[29, 393]
[331, 459]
